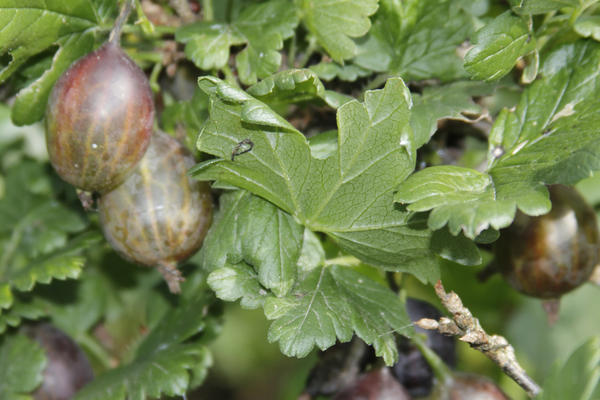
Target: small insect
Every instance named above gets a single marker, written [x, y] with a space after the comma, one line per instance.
[242, 147]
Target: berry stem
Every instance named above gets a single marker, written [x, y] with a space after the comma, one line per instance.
[172, 275]
[115, 33]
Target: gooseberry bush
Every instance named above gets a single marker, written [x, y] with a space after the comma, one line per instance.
[357, 151]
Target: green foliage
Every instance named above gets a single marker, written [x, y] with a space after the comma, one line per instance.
[579, 377]
[165, 360]
[549, 138]
[41, 238]
[332, 302]
[353, 145]
[416, 40]
[281, 168]
[31, 27]
[335, 22]
[19, 375]
[262, 27]
[498, 45]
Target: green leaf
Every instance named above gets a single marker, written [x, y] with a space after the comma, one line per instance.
[334, 22]
[21, 309]
[588, 26]
[63, 263]
[261, 235]
[551, 137]
[238, 281]
[20, 375]
[164, 362]
[188, 115]
[332, 303]
[330, 70]
[578, 378]
[541, 6]
[261, 27]
[294, 86]
[417, 40]
[33, 26]
[453, 101]
[497, 47]
[346, 195]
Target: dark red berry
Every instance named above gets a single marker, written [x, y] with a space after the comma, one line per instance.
[99, 119]
[378, 384]
[159, 215]
[67, 369]
[469, 387]
[549, 255]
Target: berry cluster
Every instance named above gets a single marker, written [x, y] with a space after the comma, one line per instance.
[99, 134]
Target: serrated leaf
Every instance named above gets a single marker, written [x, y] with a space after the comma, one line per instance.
[332, 303]
[261, 27]
[453, 101]
[167, 371]
[20, 310]
[497, 47]
[348, 195]
[164, 361]
[253, 230]
[20, 375]
[578, 378]
[334, 22]
[238, 281]
[588, 26]
[63, 263]
[551, 137]
[32, 26]
[416, 39]
[294, 86]
[541, 6]
[347, 72]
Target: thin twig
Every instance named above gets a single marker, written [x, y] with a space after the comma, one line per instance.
[467, 327]
[115, 33]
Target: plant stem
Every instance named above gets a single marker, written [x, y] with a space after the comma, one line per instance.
[147, 27]
[441, 371]
[95, 349]
[229, 76]
[115, 33]
[207, 10]
[312, 46]
[154, 77]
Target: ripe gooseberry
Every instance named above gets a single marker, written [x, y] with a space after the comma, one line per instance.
[159, 215]
[99, 118]
[549, 255]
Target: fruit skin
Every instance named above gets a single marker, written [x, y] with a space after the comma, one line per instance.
[469, 387]
[549, 255]
[378, 384]
[68, 368]
[159, 215]
[99, 119]
[412, 370]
